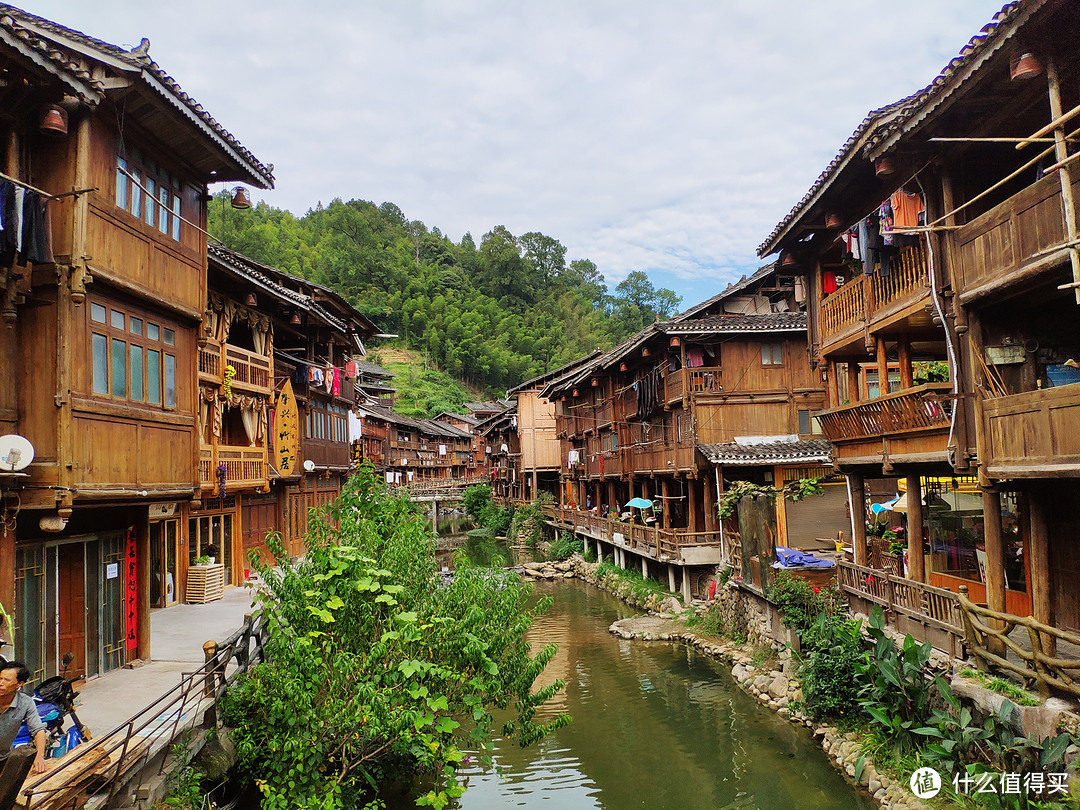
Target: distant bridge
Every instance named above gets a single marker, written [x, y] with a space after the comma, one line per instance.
[439, 490]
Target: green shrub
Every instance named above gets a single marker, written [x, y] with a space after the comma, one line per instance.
[565, 546]
[833, 656]
[896, 690]
[712, 623]
[799, 602]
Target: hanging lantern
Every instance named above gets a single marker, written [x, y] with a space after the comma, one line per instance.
[789, 262]
[54, 121]
[884, 166]
[833, 222]
[645, 352]
[251, 300]
[240, 198]
[674, 343]
[295, 319]
[623, 367]
[1024, 66]
[576, 392]
[595, 382]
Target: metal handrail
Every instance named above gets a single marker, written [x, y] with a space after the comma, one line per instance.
[245, 645]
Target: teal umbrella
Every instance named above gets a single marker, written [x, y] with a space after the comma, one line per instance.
[640, 503]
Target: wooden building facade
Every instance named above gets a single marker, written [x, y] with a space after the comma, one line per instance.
[951, 354]
[101, 323]
[679, 408]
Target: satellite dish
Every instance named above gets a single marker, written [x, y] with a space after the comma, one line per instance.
[16, 453]
[309, 466]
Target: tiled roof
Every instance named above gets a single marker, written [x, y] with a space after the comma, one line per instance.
[732, 289]
[767, 322]
[56, 61]
[374, 369]
[554, 374]
[885, 121]
[30, 27]
[485, 407]
[808, 451]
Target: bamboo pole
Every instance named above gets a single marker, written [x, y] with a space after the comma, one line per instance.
[1061, 152]
[1059, 118]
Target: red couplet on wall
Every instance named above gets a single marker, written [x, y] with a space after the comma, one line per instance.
[131, 592]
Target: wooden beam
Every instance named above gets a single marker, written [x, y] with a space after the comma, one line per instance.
[857, 490]
[1042, 609]
[882, 367]
[1061, 153]
[853, 393]
[907, 376]
[916, 558]
[995, 553]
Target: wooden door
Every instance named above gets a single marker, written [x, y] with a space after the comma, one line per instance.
[71, 606]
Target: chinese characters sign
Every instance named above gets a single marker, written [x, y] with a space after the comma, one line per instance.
[286, 431]
[131, 591]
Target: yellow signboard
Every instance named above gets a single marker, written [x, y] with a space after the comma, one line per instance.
[286, 431]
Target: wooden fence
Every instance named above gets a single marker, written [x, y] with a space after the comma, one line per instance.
[922, 604]
[990, 645]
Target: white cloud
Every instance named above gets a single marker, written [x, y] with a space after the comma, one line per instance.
[666, 137]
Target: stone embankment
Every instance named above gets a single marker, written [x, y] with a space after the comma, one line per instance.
[776, 688]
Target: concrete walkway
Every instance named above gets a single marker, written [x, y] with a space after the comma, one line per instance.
[176, 637]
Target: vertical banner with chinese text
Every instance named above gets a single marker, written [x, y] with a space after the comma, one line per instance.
[286, 431]
[131, 591]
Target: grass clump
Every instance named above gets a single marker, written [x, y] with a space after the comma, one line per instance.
[1014, 692]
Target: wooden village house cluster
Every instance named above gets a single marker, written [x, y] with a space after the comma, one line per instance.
[917, 334]
[180, 400]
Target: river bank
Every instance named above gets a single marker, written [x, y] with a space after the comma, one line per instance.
[777, 688]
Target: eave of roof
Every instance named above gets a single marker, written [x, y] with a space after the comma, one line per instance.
[881, 127]
[729, 324]
[259, 174]
[51, 60]
[554, 373]
[732, 289]
[804, 451]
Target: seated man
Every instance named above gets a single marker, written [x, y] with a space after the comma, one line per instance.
[16, 708]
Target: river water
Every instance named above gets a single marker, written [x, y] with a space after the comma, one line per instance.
[655, 725]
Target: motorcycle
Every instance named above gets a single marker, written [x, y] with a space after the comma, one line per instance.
[55, 698]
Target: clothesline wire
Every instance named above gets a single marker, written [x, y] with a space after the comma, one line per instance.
[46, 194]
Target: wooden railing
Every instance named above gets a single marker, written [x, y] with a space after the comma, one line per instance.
[1021, 232]
[990, 646]
[907, 278]
[902, 412]
[704, 380]
[844, 308]
[254, 372]
[604, 413]
[927, 604]
[245, 467]
[860, 300]
[210, 362]
[649, 540]
[1027, 432]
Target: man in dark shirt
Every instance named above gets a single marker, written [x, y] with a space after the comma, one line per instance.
[16, 708]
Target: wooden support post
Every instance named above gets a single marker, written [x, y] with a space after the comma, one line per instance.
[711, 518]
[612, 499]
[916, 557]
[142, 583]
[882, 367]
[857, 490]
[686, 595]
[833, 385]
[644, 567]
[854, 393]
[781, 509]
[665, 491]
[907, 376]
[995, 559]
[694, 508]
[671, 578]
[1042, 584]
[7, 574]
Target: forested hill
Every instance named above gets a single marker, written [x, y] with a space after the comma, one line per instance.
[493, 313]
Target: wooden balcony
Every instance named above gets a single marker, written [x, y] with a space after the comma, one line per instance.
[245, 467]
[912, 424]
[688, 382]
[658, 458]
[604, 413]
[210, 363]
[254, 372]
[866, 301]
[1012, 242]
[1033, 434]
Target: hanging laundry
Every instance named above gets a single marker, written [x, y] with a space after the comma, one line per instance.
[829, 281]
[35, 236]
[695, 357]
[573, 457]
[872, 246]
[17, 222]
[352, 370]
[851, 244]
[907, 209]
[300, 375]
[337, 382]
[328, 378]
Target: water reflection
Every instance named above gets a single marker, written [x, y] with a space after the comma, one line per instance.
[655, 725]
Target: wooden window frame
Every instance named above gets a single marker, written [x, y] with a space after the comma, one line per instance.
[774, 349]
[114, 335]
[162, 212]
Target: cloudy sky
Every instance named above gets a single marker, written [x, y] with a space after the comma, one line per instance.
[668, 136]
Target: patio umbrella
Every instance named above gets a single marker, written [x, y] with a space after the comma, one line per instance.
[640, 503]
